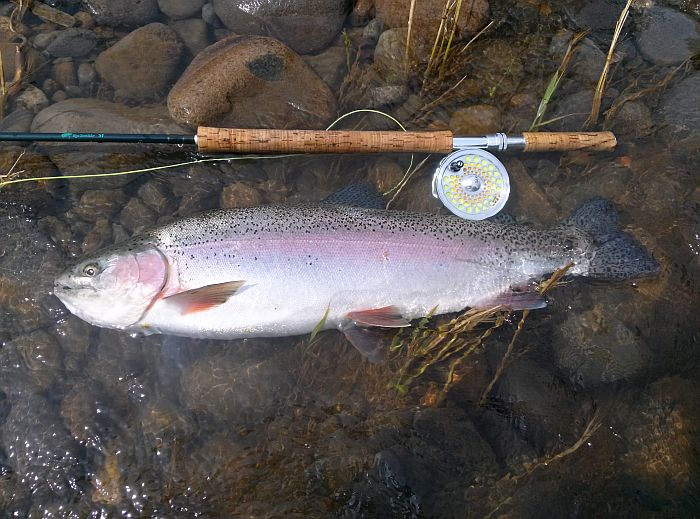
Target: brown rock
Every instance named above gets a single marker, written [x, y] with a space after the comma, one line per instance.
[98, 203]
[64, 72]
[239, 195]
[427, 15]
[142, 64]
[253, 82]
[476, 120]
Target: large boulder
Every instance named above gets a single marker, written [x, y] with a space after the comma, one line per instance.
[304, 25]
[251, 82]
[135, 74]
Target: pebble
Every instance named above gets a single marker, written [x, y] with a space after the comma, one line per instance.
[390, 56]
[84, 20]
[72, 42]
[86, 74]
[32, 98]
[64, 72]
[181, 9]
[132, 73]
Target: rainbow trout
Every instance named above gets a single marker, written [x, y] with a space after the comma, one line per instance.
[275, 271]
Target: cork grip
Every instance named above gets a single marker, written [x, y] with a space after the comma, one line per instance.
[320, 141]
[568, 141]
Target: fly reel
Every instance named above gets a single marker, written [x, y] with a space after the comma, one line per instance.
[472, 183]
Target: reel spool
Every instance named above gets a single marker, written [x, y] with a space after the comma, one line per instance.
[472, 183]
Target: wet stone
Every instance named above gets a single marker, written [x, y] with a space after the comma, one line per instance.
[137, 216]
[129, 13]
[32, 99]
[239, 194]
[330, 65]
[597, 347]
[40, 356]
[194, 33]
[680, 114]
[476, 120]
[99, 203]
[64, 72]
[134, 75]
[427, 17]
[634, 119]
[666, 37]
[158, 196]
[252, 82]
[86, 74]
[90, 414]
[288, 21]
[20, 120]
[224, 388]
[40, 449]
[72, 42]
[390, 56]
[99, 236]
[587, 63]
[181, 9]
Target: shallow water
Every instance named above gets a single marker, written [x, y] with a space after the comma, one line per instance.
[596, 412]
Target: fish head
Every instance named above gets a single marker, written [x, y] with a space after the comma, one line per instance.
[114, 287]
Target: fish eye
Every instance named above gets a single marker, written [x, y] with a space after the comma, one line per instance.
[90, 269]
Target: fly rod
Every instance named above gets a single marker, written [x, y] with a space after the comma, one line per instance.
[469, 181]
[230, 140]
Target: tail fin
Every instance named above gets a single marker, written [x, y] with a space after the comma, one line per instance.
[617, 255]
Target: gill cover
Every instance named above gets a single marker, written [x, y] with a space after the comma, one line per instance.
[114, 287]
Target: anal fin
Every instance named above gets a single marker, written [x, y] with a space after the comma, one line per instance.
[361, 329]
[204, 298]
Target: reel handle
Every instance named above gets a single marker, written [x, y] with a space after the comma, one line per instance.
[569, 141]
[320, 141]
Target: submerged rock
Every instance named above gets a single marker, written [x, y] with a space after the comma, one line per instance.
[427, 16]
[136, 74]
[181, 9]
[130, 13]
[666, 37]
[288, 21]
[680, 113]
[225, 388]
[71, 42]
[597, 347]
[93, 115]
[252, 82]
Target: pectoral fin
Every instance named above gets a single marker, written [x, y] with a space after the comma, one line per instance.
[203, 298]
[365, 340]
[385, 317]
